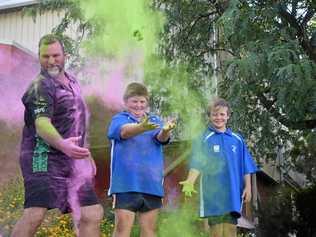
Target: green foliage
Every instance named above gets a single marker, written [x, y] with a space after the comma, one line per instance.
[184, 30]
[276, 215]
[289, 211]
[272, 79]
[306, 212]
[267, 62]
[304, 152]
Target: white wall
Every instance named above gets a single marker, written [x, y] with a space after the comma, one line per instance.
[21, 28]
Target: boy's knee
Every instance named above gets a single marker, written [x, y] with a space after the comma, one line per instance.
[122, 227]
[123, 223]
[230, 230]
[92, 214]
[148, 226]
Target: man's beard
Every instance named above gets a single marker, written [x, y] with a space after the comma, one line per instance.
[54, 71]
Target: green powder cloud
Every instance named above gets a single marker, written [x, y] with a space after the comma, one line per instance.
[122, 26]
[128, 26]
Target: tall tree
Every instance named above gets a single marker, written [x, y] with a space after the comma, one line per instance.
[267, 67]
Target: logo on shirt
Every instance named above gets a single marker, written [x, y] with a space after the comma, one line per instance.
[216, 148]
[39, 110]
[234, 148]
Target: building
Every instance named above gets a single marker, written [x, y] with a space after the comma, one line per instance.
[18, 25]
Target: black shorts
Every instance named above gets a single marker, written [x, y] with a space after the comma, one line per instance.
[137, 202]
[226, 218]
[56, 192]
[54, 186]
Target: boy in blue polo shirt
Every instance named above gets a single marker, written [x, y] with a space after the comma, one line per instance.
[136, 182]
[221, 158]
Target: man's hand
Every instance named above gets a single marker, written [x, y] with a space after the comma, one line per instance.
[169, 125]
[187, 188]
[71, 149]
[147, 125]
[94, 166]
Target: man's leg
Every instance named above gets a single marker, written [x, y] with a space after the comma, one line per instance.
[29, 222]
[76, 222]
[124, 220]
[230, 230]
[90, 219]
[217, 230]
[147, 222]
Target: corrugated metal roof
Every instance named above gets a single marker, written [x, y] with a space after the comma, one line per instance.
[8, 4]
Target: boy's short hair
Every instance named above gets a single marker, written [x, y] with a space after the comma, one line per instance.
[135, 89]
[218, 102]
[50, 39]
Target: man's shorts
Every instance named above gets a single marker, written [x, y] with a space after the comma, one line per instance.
[56, 192]
[137, 202]
[55, 186]
[226, 218]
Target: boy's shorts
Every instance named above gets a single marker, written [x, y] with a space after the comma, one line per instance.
[137, 202]
[50, 193]
[226, 218]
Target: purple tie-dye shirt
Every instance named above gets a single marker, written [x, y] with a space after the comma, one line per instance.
[46, 97]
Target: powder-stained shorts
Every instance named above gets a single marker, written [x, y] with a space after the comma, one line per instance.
[137, 202]
[53, 185]
[57, 192]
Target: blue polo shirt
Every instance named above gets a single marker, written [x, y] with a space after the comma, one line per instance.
[136, 162]
[223, 160]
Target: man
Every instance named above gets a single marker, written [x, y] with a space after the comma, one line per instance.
[52, 153]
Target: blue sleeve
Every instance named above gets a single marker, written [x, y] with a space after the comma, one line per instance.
[157, 120]
[114, 130]
[39, 99]
[248, 162]
[198, 156]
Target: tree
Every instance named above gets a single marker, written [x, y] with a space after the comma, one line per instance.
[268, 65]
[277, 215]
[306, 209]
[289, 211]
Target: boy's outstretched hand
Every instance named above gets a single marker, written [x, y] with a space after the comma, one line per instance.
[187, 188]
[147, 125]
[171, 124]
